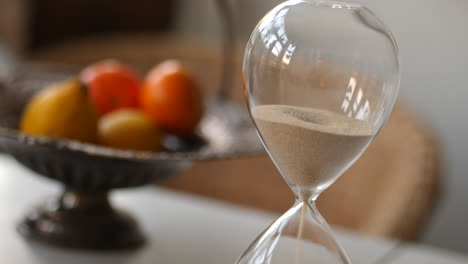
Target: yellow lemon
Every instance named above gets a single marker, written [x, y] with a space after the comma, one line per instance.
[61, 110]
[129, 129]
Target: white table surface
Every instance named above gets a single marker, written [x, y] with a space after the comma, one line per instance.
[181, 229]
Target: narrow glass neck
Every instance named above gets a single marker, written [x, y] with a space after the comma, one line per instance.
[319, 230]
[311, 203]
[309, 195]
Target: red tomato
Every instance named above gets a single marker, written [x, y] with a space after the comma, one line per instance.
[112, 85]
[170, 97]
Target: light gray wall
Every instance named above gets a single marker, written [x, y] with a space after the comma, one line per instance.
[433, 40]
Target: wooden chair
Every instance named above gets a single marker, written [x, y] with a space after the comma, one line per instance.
[390, 192]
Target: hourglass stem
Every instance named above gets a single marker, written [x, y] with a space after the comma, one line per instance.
[300, 230]
[329, 240]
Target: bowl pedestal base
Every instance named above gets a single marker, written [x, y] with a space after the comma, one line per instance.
[82, 221]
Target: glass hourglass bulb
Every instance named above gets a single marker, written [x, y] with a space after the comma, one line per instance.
[321, 78]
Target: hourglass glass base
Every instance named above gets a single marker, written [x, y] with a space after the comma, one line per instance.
[298, 236]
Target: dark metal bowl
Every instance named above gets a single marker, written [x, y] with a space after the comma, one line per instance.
[83, 217]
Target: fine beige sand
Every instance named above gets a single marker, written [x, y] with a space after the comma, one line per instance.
[311, 146]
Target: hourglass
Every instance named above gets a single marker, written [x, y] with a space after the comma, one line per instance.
[321, 78]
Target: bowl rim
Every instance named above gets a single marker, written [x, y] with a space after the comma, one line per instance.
[95, 150]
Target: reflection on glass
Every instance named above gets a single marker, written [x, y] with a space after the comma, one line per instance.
[357, 110]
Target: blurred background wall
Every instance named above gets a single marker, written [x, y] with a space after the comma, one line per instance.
[26, 25]
[433, 40]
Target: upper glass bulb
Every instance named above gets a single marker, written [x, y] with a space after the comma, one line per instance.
[321, 78]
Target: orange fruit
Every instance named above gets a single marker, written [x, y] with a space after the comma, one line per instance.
[112, 85]
[170, 96]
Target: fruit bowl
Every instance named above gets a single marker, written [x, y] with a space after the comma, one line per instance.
[83, 217]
